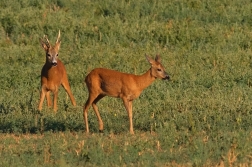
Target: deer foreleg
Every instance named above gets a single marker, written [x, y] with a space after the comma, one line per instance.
[48, 99]
[128, 105]
[55, 97]
[42, 97]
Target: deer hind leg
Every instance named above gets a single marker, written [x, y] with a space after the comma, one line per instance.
[97, 112]
[128, 105]
[66, 86]
[88, 103]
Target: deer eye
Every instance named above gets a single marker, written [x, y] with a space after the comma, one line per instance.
[48, 55]
[57, 55]
[159, 69]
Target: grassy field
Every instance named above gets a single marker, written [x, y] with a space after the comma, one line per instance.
[202, 117]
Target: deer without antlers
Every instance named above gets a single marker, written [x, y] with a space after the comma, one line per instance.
[53, 75]
[104, 82]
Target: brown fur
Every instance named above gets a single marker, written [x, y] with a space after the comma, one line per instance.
[104, 82]
[53, 75]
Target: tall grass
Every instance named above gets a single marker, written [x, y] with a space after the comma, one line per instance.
[202, 117]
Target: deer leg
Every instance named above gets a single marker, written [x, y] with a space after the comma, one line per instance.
[66, 86]
[48, 99]
[88, 103]
[97, 112]
[128, 105]
[55, 97]
[42, 97]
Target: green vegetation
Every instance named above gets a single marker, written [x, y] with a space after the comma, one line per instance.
[202, 117]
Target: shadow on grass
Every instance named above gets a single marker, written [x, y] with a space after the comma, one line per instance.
[37, 124]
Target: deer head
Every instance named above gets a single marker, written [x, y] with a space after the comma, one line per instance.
[51, 51]
[157, 69]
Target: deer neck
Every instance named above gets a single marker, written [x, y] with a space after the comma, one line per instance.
[145, 79]
[48, 66]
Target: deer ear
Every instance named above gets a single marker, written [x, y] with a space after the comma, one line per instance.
[158, 59]
[150, 60]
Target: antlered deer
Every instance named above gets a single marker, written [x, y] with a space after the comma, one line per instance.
[53, 75]
[104, 82]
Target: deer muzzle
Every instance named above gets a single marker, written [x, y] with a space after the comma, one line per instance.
[166, 77]
[54, 62]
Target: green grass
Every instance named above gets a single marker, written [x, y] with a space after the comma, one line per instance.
[202, 117]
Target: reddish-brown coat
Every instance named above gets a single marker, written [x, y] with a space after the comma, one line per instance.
[105, 82]
[53, 75]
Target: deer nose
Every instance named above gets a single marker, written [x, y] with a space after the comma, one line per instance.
[167, 77]
[54, 63]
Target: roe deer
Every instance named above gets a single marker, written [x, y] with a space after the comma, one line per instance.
[53, 74]
[104, 82]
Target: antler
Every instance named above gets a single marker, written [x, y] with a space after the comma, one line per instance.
[47, 43]
[58, 37]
